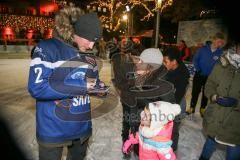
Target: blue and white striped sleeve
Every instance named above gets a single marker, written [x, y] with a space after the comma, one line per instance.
[41, 84]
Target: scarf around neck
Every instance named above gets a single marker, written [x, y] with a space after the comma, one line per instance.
[233, 57]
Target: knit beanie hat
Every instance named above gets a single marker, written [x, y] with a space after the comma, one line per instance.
[162, 112]
[88, 26]
[152, 56]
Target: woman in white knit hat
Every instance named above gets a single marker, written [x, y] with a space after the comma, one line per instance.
[139, 79]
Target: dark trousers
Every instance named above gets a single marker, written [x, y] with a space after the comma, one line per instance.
[76, 151]
[130, 121]
[232, 153]
[175, 132]
[199, 82]
[125, 122]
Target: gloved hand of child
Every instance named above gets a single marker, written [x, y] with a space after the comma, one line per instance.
[133, 128]
[128, 143]
[226, 101]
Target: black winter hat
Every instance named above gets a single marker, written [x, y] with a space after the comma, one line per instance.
[88, 26]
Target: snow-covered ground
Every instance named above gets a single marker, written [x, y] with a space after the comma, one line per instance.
[17, 107]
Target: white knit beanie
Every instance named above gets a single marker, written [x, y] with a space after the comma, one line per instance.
[152, 56]
[162, 112]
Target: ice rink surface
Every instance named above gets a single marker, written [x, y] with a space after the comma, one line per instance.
[18, 109]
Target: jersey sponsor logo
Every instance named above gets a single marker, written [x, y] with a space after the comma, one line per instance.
[81, 100]
[78, 75]
[76, 109]
[69, 77]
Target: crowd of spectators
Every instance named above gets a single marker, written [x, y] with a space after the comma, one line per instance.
[24, 28]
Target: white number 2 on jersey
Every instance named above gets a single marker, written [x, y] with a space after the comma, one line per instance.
[38, 71]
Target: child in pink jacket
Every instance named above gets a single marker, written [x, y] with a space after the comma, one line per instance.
[155, 132]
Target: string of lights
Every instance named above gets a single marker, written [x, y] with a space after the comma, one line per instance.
[112, 19]
[26, 22]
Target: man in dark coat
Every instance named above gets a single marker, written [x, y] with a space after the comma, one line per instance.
[178, 75]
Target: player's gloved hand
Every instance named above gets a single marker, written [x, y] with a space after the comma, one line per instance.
[226, 101]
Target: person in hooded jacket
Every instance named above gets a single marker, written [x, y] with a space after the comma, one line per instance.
[222, 116]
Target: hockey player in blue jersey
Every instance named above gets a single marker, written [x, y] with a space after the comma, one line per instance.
[59, 81]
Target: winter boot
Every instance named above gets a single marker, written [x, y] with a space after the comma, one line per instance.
[191, 110]
[202, 111]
